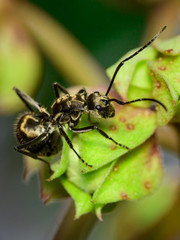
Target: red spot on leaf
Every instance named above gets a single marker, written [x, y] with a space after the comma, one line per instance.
[147, 185]
[115, 168]
[174, 102]
[124, 196]
[157, 84]
[113, 146]
[130, 126]
[122, 119]
[154, 149]
[169, 50]
[113, 128]
[162, 68]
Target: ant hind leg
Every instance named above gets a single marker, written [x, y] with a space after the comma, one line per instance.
[29, 154]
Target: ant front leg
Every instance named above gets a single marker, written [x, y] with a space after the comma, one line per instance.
[63, 133]
[91, 128]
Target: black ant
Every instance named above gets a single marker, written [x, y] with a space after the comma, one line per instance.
[36, 130]
[37, 133]
[68, 109]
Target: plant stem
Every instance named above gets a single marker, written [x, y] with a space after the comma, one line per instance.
[75, 229]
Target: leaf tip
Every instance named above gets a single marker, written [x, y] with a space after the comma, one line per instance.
[44, 198]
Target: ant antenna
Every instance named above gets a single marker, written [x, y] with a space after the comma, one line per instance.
[138, 100]
[131, 56]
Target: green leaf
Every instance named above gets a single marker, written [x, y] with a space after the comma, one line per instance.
[143, 215]
[82, 199]
[50, 191]
[170, 47]
[165, 93]
[169, 69]
[131, 127]
[141, 85]
[129, 69]
[60, 166]
[134, 176]
[88, 182]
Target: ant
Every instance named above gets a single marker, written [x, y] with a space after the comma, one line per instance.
[68, 109]
[37, 133]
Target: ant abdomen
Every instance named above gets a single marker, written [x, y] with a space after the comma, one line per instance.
[29, 127]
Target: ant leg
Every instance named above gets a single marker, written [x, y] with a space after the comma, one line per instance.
[21, 149]
[63, 133]
[27, 100]
[29, 154]
[31, 142]
[57, 88]
[91, 128]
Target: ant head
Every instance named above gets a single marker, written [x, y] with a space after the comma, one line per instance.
[99, 106]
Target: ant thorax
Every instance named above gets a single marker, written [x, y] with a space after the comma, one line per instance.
[99, 106]
[68, 109]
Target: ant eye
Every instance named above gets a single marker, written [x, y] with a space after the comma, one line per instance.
[98, 107]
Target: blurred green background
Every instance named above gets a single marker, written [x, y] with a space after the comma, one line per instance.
[107, 29]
